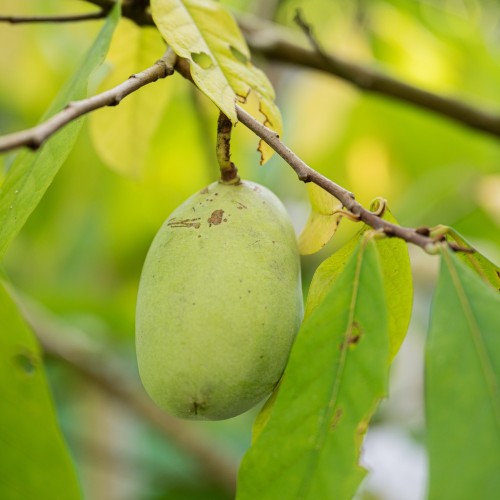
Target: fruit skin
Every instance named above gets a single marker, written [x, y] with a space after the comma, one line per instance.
[219, 302]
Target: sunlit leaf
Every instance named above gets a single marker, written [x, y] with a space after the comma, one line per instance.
[488, 271]
[397, 280]
[463, 385]
[31, 173]
[398, 284]
[207, 35]
[322, 222]
[34, 462]
[122, 135]
[337, 373]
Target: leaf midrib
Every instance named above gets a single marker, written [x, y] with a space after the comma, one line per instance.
[481, 351]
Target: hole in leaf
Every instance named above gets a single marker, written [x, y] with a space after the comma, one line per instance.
[26, 362]
[202, 59]
[238, 55]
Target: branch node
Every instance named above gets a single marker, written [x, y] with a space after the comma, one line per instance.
[304, 177]
[423, 231]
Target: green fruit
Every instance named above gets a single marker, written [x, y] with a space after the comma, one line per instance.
[219, 302]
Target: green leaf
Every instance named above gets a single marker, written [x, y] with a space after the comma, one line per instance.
[481, 265]
[337, 373]
[398, 284]
[206, 34]
[34, 461]
[122, 135]
[463, 385]
[32, 172]
[323, 220]
[396, 273]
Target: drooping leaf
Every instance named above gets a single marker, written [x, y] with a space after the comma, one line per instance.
[398, 284]
[34, 462]
[336, 374]
[322, 222]
[32, 172]
[122, 135]
[484, 267]
[206, 34]
[463, 385]
[396, 273]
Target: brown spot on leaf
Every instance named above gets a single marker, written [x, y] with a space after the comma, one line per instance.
[353, 337]
[26, 361]
[175, 223]
[216, 218]
[336, 417]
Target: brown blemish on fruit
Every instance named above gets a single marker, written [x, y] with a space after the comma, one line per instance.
[240, 205]
[175, 223]
[197, 406]
[216, 218]
[204, 191]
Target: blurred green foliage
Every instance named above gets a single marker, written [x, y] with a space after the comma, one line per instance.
[81, 252]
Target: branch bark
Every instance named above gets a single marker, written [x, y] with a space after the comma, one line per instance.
[34, 137]
[101, 14]
[420, 237]
[279, 44]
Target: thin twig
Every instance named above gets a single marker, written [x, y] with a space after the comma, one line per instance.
[55, 19]
[420, 237]
[305, 173]
[277, 43]
[104, 369]
[34, 137]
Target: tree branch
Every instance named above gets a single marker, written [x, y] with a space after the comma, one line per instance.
[279, 44]
[108, 373]
[101, 14]
[276, 44]
[420, 237]
[34, 137]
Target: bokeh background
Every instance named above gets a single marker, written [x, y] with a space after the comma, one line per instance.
[81, 252]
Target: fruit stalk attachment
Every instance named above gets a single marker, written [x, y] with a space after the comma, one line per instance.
[228, 170]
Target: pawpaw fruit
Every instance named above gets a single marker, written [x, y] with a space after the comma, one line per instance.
[219, 302]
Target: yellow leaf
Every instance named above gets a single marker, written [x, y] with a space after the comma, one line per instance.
[122, 135]
[323, 220]
[204, 33]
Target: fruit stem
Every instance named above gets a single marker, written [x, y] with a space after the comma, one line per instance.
[228, 170]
